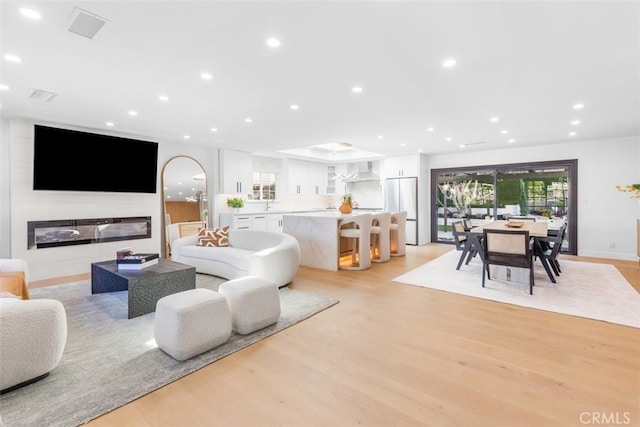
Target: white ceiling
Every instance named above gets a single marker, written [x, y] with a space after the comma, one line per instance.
[526, 62]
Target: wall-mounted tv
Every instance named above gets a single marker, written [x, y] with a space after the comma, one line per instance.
[69, 160]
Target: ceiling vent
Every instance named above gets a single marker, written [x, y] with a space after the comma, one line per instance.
[85, 23]
[41, 95]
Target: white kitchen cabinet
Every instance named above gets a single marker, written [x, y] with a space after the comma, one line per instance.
[274, 222]
[236, 172]
[307, 177]
[255, 221]
[259, 222]
[400, 166]
[236, 221]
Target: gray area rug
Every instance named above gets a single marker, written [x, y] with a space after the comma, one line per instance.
[110, 360]
[593, 291]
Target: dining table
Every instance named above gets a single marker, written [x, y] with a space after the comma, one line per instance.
[537, 230]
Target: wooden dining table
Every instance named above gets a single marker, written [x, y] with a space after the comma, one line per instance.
[537, 230]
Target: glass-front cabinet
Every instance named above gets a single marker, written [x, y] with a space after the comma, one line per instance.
[544, 190]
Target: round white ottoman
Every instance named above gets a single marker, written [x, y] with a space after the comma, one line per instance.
[191, 322]
[254, 303]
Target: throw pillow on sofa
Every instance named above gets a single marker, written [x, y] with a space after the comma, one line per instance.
[218, 236]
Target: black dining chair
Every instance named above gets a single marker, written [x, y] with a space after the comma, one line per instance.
[464, 242]
[510, 248]
[548, 248]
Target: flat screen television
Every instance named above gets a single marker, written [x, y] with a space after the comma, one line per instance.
[69, 160]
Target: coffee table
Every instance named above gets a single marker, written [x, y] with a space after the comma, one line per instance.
[146, 286]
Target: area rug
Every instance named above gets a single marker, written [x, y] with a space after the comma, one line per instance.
[594, 291]
[110, 360]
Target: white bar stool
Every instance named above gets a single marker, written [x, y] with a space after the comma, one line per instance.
[357, 227]
[397, 233]
[380, 237]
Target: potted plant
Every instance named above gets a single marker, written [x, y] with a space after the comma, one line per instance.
[346, 207]
[235, 202]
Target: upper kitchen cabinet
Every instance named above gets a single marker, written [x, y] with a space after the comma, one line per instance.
[400, 166]
[306, 177]
[236, 172]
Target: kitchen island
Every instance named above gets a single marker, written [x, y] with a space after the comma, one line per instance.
[317, 235]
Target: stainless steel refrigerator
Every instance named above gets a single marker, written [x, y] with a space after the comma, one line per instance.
[401, 194]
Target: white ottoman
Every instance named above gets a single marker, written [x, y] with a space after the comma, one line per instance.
[191, 322]
[254, 303]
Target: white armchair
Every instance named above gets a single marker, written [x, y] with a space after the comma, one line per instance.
[33, 335]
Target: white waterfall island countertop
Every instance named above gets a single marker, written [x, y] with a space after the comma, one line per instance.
[317, 235]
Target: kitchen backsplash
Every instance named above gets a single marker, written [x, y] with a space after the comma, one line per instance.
[368, 194]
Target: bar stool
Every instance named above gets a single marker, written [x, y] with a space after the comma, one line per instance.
[397, 233]
[357, 227]
[380, 237]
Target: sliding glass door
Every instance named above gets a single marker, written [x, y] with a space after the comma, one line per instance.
[545, 190]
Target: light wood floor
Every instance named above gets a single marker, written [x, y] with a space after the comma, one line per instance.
[396, 355]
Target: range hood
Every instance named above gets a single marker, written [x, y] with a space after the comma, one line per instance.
[364, 173]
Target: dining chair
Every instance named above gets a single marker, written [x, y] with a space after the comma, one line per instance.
[548, 248]
[510, 248]
[467, 224]
[464, 243]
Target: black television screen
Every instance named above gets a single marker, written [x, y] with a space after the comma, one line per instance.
[69, 160]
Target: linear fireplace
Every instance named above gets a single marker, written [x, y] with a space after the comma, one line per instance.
[66, 232]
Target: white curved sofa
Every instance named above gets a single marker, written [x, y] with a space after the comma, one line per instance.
[268, 254]
[32, 338]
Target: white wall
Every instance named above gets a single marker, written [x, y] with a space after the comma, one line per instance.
[604, 214]
[28, 205]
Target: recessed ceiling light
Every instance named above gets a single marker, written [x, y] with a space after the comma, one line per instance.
[575, 122]
[504, 131]
[164, 98]
[187, 137]
[356, 89]
[578, 106]
[494, 119]
[512, 140]
[449, 63]
[462, 145]
[448, 139]
[380, 136]
[294, 107]
[430, 129]
[403, 144]
[248, 120]
[572, 133]
[419, 150]
[30, 13]
[273, 42]
[133, 113]
[110, 124]
[12, 58]
[214, 129]
[206, 76]
[4, 87]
